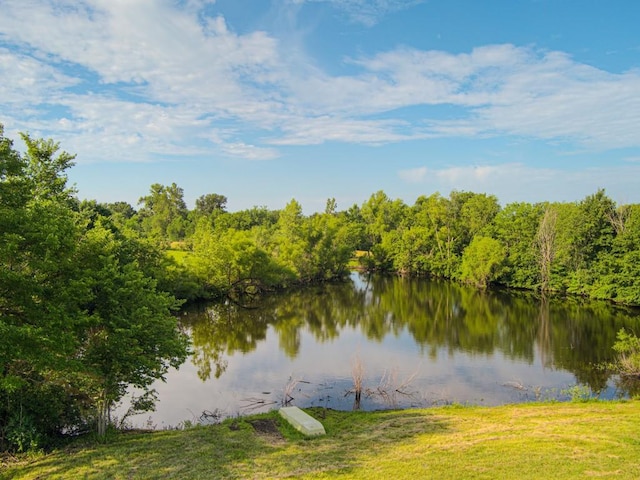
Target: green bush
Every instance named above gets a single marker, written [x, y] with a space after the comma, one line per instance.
[628, 348]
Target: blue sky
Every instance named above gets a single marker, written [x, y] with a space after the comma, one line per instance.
[264, 101]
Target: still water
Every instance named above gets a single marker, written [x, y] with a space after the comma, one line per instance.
[415, 342]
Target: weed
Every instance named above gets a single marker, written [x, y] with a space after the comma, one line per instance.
[357, 374]
[578, 393]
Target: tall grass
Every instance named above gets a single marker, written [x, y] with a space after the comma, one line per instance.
[357, 374]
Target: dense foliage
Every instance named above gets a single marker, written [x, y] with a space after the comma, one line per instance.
[589, 248]
[87, 289]
[81, 317]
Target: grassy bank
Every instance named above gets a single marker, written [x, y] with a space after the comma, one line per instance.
[553, 440]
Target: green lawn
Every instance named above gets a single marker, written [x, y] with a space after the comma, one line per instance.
[551, 440]
[180, 256]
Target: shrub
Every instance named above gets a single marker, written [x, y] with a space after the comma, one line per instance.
[628, 348]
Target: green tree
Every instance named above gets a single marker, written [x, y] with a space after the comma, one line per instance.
[47, 169]
[290, 242]
[211, 203]
[627, 347]
[617, 272]
[224, 257]
[432, 214]
[331, 207]
[595, 232]
[129, 336]
[411, 250]
[515, 227]
[381, 215]
[477, 212]
[38, 234]
[331, 245]
[481, 261]
[163, 215]
[78, 313]
[248, 219]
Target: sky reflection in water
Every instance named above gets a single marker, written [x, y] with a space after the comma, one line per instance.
[444, 342]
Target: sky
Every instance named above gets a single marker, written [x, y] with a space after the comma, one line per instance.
[264, 101]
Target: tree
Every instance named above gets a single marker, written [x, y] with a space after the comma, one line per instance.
[38, 234]
[515, 227]
[546, 242]
[481, 260]
[46, 169]
[248, 219]
[617, 273]
[595, 232]
[584, 237]
[129, 337]
[211, 203]
[290, 244]
[163, 214]
[431, 213]
[477, 212]
[331, 207]
[381, 215]
[331, 245]
[411, 250]
[79, 318]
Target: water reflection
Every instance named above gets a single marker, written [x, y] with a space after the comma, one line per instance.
[458, 343]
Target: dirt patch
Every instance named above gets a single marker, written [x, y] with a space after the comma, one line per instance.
[267, 428]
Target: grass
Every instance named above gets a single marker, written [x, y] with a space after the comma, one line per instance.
[550, 440]
[180, 256]
[355, 263]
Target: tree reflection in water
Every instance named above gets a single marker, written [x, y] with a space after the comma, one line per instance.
[572, 335]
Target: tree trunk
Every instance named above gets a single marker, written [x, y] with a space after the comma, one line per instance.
[104, 407]
[546, 243]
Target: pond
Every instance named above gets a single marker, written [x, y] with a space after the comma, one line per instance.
[405, 342]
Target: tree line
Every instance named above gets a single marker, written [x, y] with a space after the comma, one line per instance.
[88, 290]
[589, 247]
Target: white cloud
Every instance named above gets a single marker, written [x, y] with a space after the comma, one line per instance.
[316, 130]
[130, 79]
[159, 71]
[250, 152]
[500, 90]
[512, 182]
[512, 91]
[482, 174]
[107, 129]
[413, 175]
[368, 12]
[26, 80]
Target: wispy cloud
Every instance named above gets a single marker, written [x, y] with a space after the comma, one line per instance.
[28, 81]
[141, 70]
[129, 80]
[330, 128]
[413, 175]
[368, 12]
[250, 152]
[518, 182]
[512, 90]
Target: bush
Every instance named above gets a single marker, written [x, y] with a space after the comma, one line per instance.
[36, 414]
[21, 433]
[628, 348]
